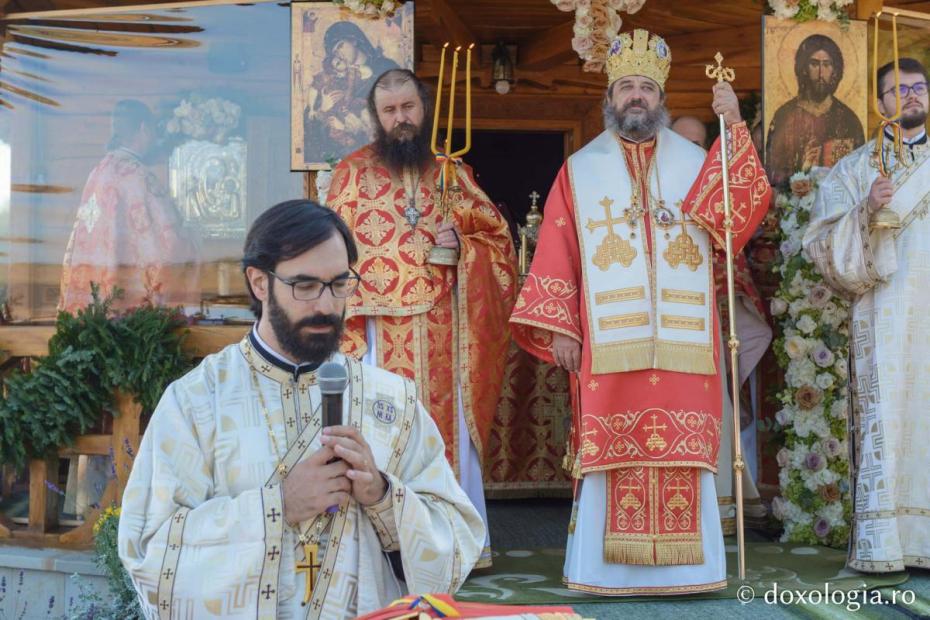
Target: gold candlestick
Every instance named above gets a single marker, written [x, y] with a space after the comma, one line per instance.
[448, 173]
[886, 218]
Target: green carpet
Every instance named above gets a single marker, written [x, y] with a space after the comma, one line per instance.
[521, 577]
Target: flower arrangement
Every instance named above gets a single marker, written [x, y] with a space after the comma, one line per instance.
[211, 119]
[371, 8]
[813, 350]
[807, 10]
[597, 24]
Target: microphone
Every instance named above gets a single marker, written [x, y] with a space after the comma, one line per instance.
[333, 379]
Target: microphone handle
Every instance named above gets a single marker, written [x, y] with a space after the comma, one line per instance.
[332, 416]
[332, 409]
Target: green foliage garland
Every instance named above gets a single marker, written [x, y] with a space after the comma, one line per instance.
[91, 356]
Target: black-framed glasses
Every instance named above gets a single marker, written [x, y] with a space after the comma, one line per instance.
[309, 289]
[919, 89]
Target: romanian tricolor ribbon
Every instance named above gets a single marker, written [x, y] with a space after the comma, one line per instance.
[437, 605]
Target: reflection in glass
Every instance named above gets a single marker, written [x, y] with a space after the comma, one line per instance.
[128, 233]
[216, 81]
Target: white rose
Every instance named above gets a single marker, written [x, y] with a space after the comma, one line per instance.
[833, 513]
[826, 14]
[841, 368]
[802, 425]
[807, 201]
[806, 324]
[798, 306]
[782, 417]
[786, 12]
[825, 381]
[820, 427]
[796, 347]
[839, 408]
[778, 306]
[800, 372]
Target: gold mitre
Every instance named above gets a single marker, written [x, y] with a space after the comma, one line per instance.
[639, 53]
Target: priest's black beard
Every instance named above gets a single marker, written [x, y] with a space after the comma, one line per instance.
[310, 348]
[406, 146]
[635, 128]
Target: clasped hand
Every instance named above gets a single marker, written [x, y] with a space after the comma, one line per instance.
[447, 236]
[344, 467]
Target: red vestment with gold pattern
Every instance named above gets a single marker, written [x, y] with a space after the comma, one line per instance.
[129, 234]
[446, 327]
[651, 430]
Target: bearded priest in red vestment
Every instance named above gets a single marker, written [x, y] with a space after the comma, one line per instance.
[621, 293]
[443, 325]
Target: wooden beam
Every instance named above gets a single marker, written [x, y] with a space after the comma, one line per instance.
[740, 46]
[866, 8]
[32, 340]
[448, 21]
[547, 49]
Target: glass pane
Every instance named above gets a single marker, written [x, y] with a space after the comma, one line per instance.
[136, 148]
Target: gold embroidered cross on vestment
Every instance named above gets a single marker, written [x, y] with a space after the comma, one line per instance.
[613, 249]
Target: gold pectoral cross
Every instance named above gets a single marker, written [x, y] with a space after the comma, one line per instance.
[311, 566]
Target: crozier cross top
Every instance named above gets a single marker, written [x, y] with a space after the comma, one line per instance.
[534, 196]
[719, 73]
[608, 220]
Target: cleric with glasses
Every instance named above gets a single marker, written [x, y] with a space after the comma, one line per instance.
[253, 459]
[308, 288]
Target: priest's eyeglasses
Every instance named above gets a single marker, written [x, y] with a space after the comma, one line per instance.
[919, 89]
[310, 289]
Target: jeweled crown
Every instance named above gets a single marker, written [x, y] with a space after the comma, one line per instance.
[639, 53]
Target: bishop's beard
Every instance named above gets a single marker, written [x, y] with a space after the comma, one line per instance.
[406, 146]
[310, 348]
[637, 127]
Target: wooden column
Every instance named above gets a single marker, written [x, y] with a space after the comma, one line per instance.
[125, 439]
[43, 502]
[310, 186]
[123, 444]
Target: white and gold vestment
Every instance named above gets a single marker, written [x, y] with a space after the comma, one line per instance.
[202, 532]
[887, 275]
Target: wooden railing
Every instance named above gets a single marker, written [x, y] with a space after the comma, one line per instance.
[43, 527]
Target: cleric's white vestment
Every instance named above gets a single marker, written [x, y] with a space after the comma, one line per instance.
[202, 532]
[887, 275]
